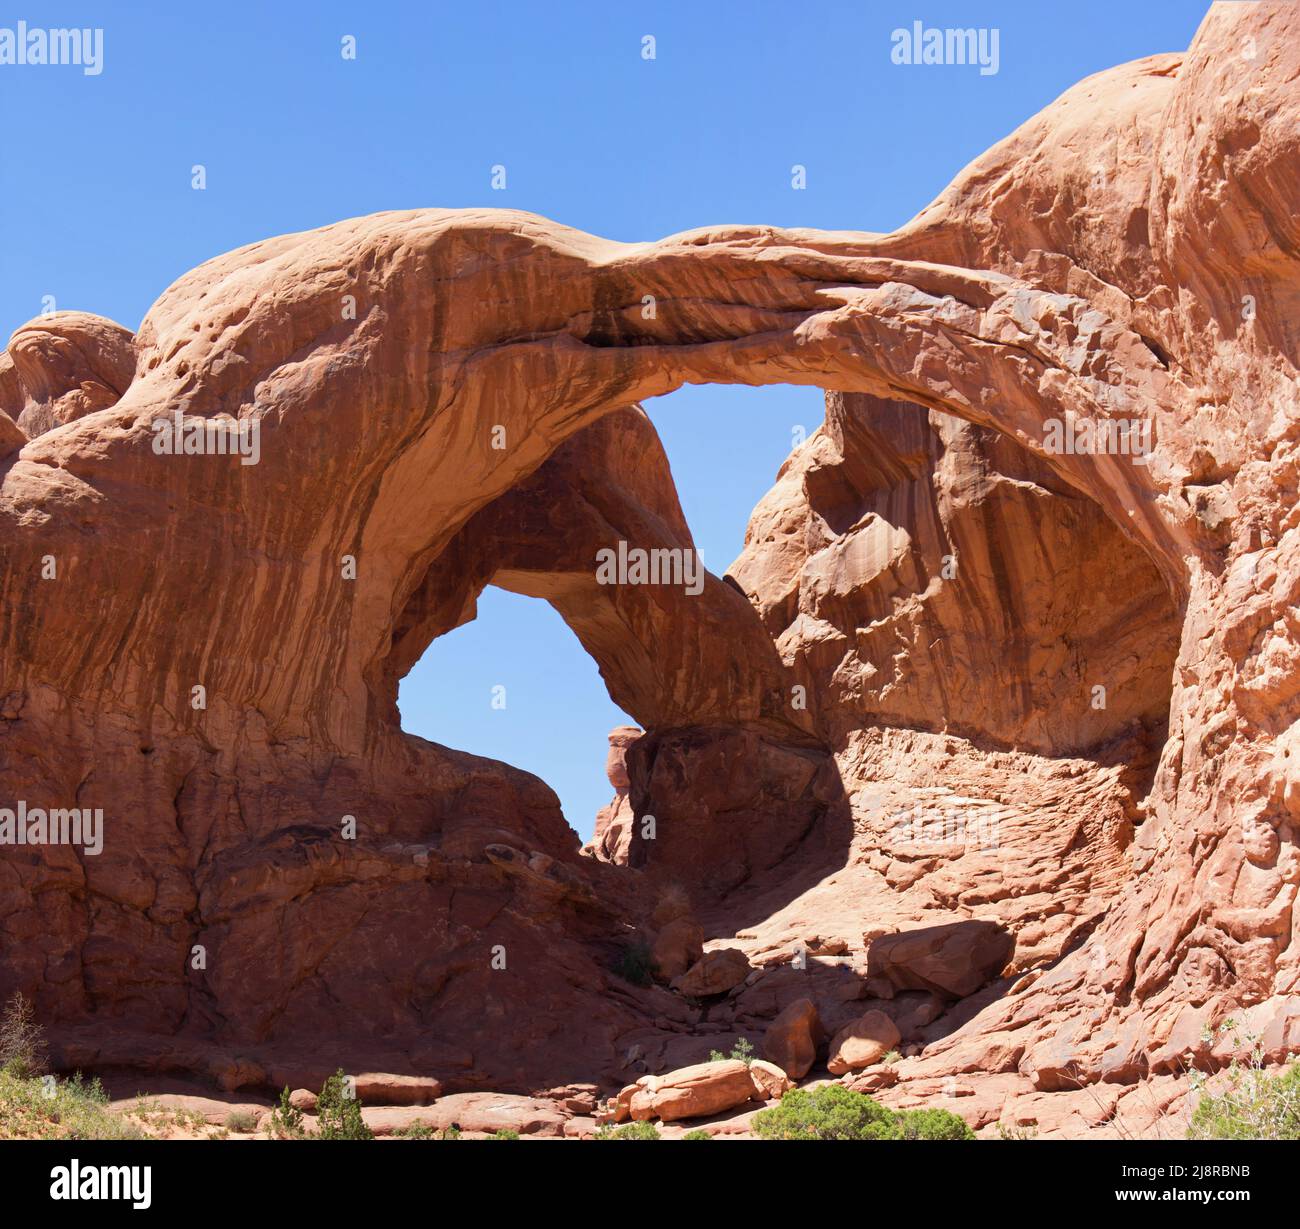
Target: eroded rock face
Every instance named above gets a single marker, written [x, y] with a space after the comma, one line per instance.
[729, 803]
[612, 836]
[214, 658]
[63, 366]
[1199, 922]
[919, 571]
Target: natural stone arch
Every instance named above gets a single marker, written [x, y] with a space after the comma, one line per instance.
[670, 653]
[408, 456]
[376, 443]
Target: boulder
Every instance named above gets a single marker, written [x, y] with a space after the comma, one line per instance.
[954, 960]
[862, 1043]
[873, 1079]
[715, 972]
[677, 947]
[770, 1082]
[792, 1038]
[378, 1088]
[303, 1099]
[693, 1092]
[480, 1113]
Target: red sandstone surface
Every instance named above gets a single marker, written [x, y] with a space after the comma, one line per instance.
[981, 751]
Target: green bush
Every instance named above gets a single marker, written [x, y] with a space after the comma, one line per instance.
[37, 1106]
[630, 1130]
[635, 964]
[339, 1111]
[241, 1121]
[504, 1133]
[836, 1112]
[697, 1134]
[832, 1112]
[46, 1108]
[932, 1124]
[743, 1051]
[1251, 1105]
[286, 1121]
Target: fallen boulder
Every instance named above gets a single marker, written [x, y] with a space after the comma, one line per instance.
[955, 960]
[303, 1099]
[677, 947]
[715, 972]
[770, 1082]
[692, 1092]
[862, 1043]
[378, 1088]
[792, 1038]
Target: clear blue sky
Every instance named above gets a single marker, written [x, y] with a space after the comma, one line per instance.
[98, 210]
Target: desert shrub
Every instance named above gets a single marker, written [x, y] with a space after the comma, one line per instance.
[286, 1120]
[504, 1133]
[630, 1130]
[932, 1124]
[832, 1112]
[22, 1040]
[339, 1111]
[46, 1108]
[697, 1134]
[241, 1121]
[743, 1050]
[836, 1112]
[1250, 1104]
[38, 1106]
[416, 1130]
[635, 965]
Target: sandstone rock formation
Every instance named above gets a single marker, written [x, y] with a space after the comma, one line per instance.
[715, 972]
[771, 1083]
[863, 1043]
[63, 366]
[695, 1092]
[923, 572]
[792, 1038]
[677, 948]
[612, 837]
[875, 742]
[954, 960]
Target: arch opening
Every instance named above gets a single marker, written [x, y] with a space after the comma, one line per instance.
[921, 583]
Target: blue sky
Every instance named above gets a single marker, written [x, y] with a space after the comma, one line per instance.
[98, 210]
